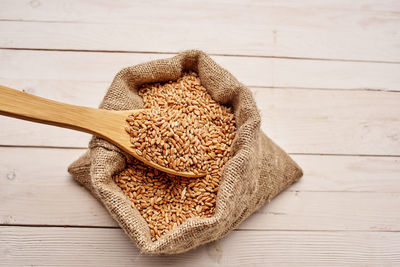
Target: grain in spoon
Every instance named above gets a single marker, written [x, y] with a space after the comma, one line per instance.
[107, 124]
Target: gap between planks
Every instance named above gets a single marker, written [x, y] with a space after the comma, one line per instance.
[325, 89]
[290, 153]
[173, 53]
[265, 87]
[236, 230]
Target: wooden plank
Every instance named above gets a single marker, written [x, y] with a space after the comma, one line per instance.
[84, 93]
[348, 173]
[322, 173]
[328, 211]
[22, 246]
[291, 29]
[36, 189]
[23, 133]
[301, 121]
[266, 72]
[36, 182]
[332, 122]
[125, 11]
[289, 211]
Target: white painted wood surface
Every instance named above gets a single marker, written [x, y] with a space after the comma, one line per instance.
[252, 71]
[34, 195]
[326, 79]
[58, 246]
[364, 30]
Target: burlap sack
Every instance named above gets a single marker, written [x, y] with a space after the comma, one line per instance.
[258, 171]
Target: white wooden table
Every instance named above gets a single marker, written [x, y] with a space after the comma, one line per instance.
[326, 76]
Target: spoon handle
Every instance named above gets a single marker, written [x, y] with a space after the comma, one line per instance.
[21, 105]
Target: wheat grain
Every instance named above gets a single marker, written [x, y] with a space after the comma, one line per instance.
[184, 127]
[186, 130]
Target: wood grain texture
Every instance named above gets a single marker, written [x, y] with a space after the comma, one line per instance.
[328, 211]
[317, 121]
[348, 173]
[24, 246]
[273, 28]
[301, 121]
[31, 194]
[21, 165]
[252, 71]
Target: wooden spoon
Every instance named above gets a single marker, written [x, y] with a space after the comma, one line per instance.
[107, 124]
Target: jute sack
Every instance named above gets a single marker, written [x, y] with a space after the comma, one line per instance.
[257, 172]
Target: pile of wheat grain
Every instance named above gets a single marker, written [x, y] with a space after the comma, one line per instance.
[166, 201]
[186, 131]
